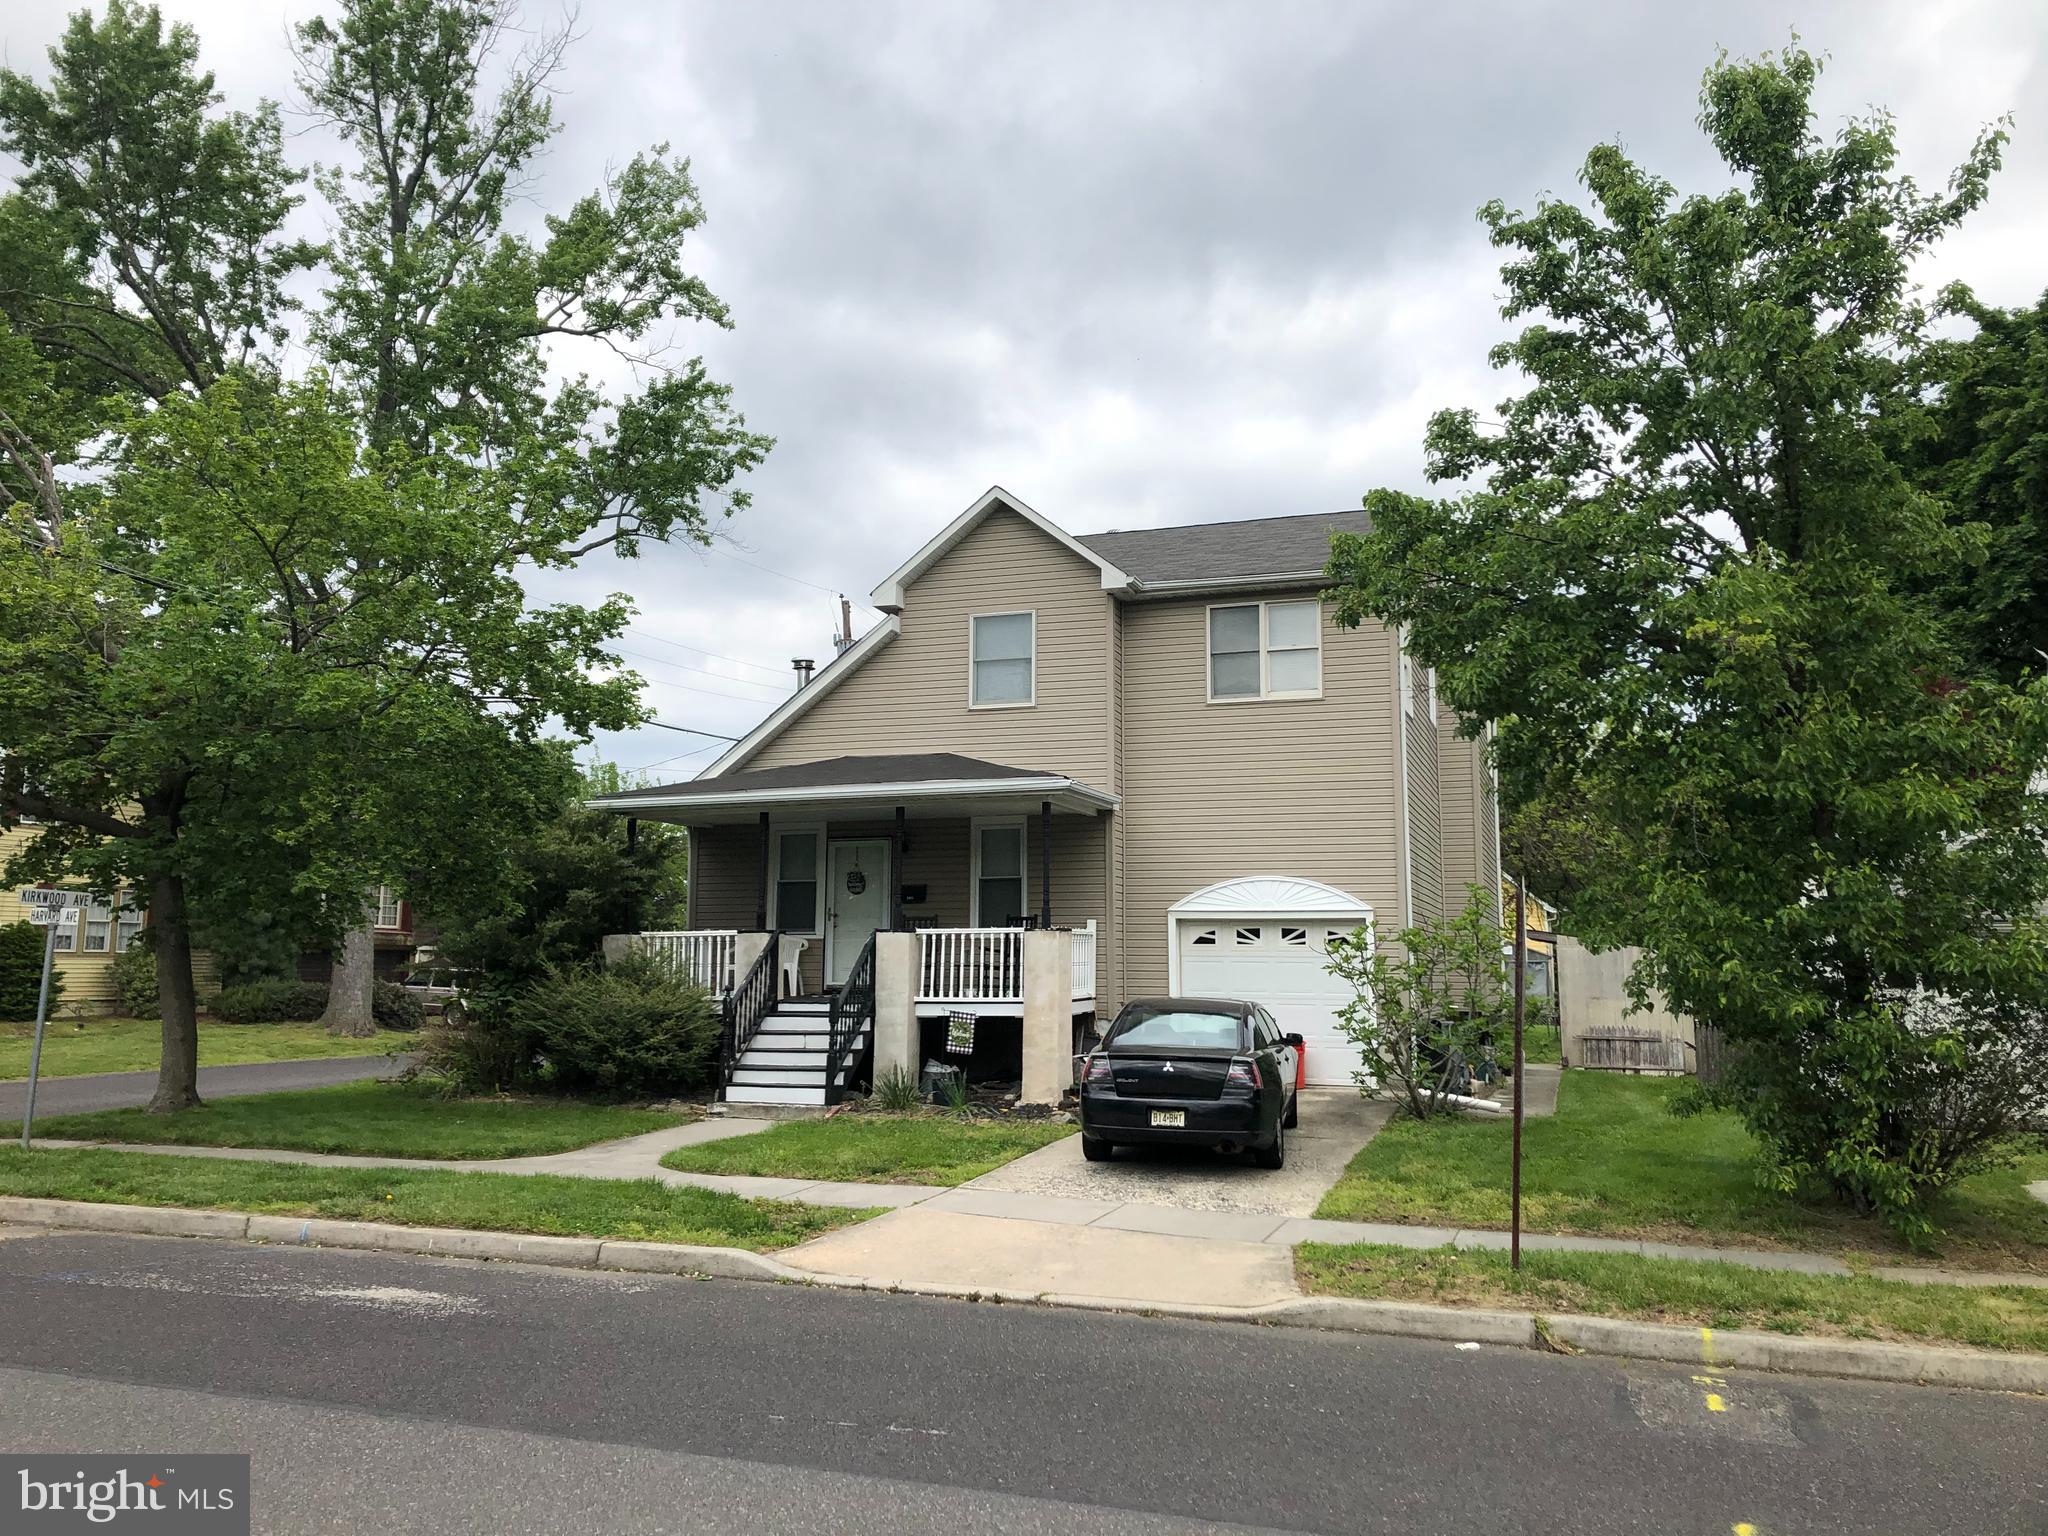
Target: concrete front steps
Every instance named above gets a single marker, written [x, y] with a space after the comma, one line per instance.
[785, 1061]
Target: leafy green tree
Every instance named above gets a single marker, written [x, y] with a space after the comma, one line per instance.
[21, 971]
[260, 647]
[438, 317]
[1695, 592]
[571, 882]
[1977, 439]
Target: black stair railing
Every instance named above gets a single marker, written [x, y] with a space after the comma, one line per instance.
[852, 1021]
[750, 1001]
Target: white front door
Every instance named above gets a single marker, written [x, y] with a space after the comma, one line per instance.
[1279, 963]
[856, 901]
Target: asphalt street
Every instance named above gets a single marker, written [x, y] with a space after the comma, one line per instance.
[120, 1090]
[393, 1393]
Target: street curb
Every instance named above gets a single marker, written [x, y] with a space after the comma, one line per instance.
[1986, 1370]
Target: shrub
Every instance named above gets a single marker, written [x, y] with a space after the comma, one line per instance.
[628, 1028]
[1425, 1017]
[270, 1002]
[135, 980]
[395, 1008]
[21, 971]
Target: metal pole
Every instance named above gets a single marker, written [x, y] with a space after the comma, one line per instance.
[1521, 970]
[35, 1054]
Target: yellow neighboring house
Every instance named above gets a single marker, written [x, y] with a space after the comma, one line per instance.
[1541, 918]
[85, 954]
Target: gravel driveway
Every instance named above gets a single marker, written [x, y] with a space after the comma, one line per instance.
[1335, 1123]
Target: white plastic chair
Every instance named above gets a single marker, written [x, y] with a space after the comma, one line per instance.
[792, 966]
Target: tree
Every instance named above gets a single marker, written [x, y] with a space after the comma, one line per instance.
[566, 886]
[1976, 437]
[439, 316]
[1426, 1014]
[257, 651]
[1695, 591]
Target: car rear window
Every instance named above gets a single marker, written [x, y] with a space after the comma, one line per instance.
[1175, 1029]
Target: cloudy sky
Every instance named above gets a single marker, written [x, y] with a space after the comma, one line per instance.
[1141, 263]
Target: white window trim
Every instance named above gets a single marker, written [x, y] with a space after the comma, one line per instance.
[1004, 613]
[776, 833]
[1265, 693]
[397, 923]
[975, 829]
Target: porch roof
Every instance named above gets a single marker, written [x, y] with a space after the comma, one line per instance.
[935, 783]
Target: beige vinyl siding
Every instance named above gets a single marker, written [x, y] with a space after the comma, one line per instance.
[725, 874]
[1303, 787]
[911, 696]
[1425, 824]
[1465, 784]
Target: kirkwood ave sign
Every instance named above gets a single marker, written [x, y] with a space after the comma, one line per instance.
[56, 911]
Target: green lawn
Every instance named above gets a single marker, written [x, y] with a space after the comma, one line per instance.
[1613, 1162]
[639, 1209]
[370, 1118]
[135, 1045]
[872, 1149]
[1682, 1291]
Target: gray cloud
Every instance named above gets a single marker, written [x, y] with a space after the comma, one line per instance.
[1141, 262]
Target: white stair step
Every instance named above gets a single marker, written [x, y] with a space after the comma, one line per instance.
[804, 1006]
[749, 1093]
[807, 1061]
[745, 1073]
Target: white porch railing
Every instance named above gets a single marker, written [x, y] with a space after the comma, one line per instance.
[986, 965]
[1084, 960]
[970, 965]
[705, 955]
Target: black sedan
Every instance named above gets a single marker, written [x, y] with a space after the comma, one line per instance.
[1193, 1071]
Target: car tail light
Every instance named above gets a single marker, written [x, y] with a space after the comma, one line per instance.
[1244, 1073]
[1099, 1075]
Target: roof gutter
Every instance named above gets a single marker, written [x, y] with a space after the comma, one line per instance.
[917, 789]
[1145, 589]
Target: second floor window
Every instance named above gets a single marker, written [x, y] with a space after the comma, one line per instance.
[1000, 664]
[387, 907]
[1266, 651]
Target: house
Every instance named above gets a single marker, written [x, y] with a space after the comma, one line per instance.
[397, 939]
[85, 953]
[1149, 755]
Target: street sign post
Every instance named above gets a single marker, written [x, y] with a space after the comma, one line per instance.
[54, 910]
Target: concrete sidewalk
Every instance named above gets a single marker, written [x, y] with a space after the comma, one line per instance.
[1019, 1240]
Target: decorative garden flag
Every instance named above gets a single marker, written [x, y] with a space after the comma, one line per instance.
[959, 1034]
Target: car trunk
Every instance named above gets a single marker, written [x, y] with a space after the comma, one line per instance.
[1182, 1075]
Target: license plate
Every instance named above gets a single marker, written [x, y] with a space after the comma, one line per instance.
[1170, 1117]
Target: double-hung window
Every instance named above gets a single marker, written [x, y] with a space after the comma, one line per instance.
[387, 907]
[98, 929]
[127, 922]
[1001, 670]
[796, 881]
[1266, 650]
[998, 874]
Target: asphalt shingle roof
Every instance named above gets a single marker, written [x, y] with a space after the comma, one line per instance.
[1248, 549]
[831, 772]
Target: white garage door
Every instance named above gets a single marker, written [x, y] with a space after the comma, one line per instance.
[1277, 963]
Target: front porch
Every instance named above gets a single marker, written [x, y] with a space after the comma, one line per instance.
[921, 886]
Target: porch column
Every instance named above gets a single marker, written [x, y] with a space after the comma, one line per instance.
[896, 1004]
[1045, 863]
[761, 890]
[1048, 1015]
[896, 876]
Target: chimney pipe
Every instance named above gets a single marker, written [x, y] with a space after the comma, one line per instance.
[844, 638]
[803, 665]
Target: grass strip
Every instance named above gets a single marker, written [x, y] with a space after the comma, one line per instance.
[872, 1149]
[371, 1119]
[643, 1210]
[1698, 1293]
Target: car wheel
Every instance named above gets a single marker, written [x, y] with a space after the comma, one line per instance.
[453, 1014]
[1293, 1116]
[1095, 1149]
[1274, 1156]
